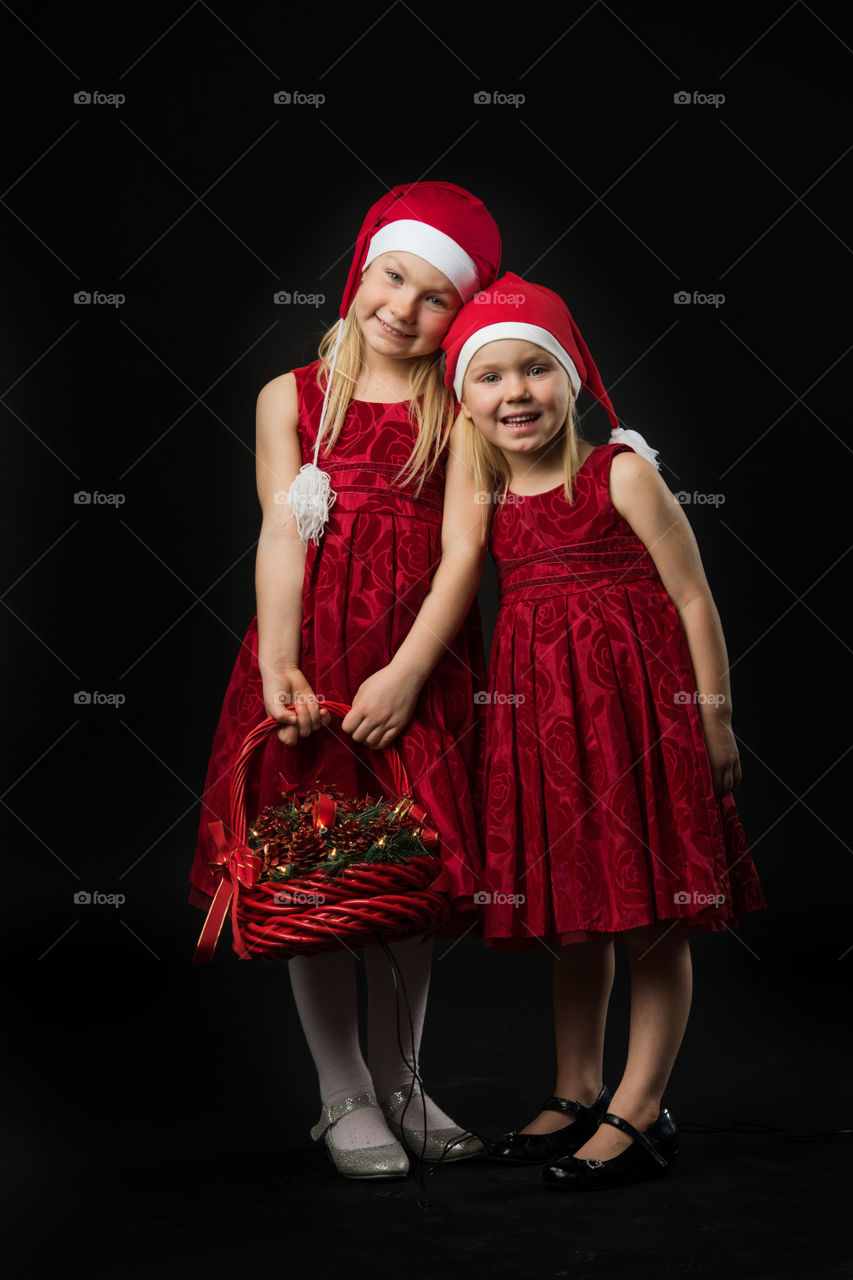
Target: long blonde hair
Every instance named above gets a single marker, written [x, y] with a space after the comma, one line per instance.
[431, 405]
[490, 469]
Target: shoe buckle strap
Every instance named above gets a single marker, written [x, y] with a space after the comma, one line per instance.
[397, 1099]
[619, 1123]
[329, 1116]
[564, 1105]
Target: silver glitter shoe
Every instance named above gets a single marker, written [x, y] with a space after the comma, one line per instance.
[388, 1161]
[429, 1144]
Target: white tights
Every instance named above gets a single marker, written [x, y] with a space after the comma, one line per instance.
[324, 988]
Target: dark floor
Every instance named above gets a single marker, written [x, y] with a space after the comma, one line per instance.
[160, 1128]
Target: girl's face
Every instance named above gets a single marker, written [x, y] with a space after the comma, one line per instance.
[404, 306]
[517, 395]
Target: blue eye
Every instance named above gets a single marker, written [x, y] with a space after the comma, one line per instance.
[539, 368]
[394, 274]
[487, 376]
[439, 302]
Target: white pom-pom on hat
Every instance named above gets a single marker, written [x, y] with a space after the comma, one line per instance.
[633, 438]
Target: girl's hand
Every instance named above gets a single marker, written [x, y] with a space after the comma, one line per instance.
[382, 707]
[281, 688]
[723, 756]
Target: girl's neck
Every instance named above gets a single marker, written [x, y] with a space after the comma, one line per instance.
[531, 475]
[535, 472]
[382, 380]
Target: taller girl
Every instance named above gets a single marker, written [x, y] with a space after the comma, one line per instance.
[363, 580]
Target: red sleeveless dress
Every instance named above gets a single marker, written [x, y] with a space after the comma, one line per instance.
[363, 587]
[595, 788]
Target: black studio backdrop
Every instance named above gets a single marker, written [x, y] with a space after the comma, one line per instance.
[679, 174]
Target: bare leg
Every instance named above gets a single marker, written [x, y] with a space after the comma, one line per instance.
[583, 978]
[661, 991]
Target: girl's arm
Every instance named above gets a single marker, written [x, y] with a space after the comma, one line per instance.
[280, 564]
[641, 496]
[385, 701]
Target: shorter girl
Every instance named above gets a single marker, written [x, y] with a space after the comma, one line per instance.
[606, 803]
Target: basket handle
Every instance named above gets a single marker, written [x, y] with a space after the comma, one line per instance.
[255, 737]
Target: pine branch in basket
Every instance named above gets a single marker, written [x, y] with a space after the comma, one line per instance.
[364, 831]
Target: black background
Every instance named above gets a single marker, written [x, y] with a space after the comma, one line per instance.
[198, 199]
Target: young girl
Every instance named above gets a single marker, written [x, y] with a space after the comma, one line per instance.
[609, 759]
[364, 578]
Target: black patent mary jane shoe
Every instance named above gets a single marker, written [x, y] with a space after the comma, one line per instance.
[538, 1148]
[650, 1156]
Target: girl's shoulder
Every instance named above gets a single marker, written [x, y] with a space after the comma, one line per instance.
[294, 391]
[619, 466]
[603, 455]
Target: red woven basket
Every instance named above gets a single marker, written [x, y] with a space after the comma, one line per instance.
[366, 902]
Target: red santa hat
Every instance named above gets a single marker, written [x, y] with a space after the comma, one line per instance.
[451, 230]
[443, 224]
[515, 308]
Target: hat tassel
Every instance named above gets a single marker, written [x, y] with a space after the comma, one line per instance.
[311, 495]
[633, 438]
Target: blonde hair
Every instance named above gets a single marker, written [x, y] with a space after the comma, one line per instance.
[432, 415]
[491, 472]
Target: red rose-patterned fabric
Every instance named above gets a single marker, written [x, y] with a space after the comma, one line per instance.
[363, 587]
[595, 788]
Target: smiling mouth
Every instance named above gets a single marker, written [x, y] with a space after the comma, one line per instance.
[391, 331]
[520, 419]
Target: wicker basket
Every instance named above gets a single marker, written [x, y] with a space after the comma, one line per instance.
[359, 906]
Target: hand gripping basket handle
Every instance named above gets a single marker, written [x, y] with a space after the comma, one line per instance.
[237, 863]
[258, 735]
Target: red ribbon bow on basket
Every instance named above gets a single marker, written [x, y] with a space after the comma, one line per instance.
[239, 865]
